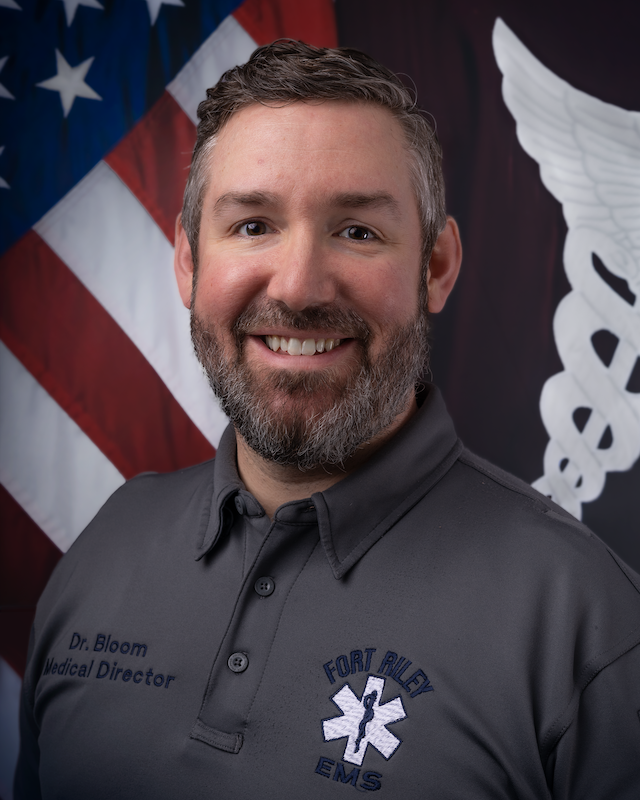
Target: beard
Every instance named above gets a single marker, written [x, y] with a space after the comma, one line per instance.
[319, 418]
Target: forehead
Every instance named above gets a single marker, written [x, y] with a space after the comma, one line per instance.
[312, 147]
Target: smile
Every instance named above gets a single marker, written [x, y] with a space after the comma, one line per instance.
[300, 347]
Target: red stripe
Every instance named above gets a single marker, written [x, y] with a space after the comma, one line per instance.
[313, 21]
[27, 558]
[99, 377]
[153, 160]
[78, 353]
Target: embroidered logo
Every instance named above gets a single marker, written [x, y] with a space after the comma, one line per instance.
[364, 720]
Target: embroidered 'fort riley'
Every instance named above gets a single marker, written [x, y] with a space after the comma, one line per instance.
[392, 665]
[364, 717]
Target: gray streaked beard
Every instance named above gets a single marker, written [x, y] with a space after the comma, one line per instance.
[278, 413]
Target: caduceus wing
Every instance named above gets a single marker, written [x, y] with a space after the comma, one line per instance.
[589, 157]
[588, 151]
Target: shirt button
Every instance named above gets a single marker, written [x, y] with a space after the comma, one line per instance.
[264, 586]
[238, 662]
[240, 505]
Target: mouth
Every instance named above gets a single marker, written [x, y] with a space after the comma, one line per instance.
[300, 347]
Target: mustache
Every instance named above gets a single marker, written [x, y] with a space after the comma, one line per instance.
[273, 313]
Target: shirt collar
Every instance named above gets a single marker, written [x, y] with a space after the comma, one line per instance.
[355, 512]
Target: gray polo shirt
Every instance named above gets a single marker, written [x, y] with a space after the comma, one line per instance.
[429, 627]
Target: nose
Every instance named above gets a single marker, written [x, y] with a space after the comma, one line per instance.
[301, 276]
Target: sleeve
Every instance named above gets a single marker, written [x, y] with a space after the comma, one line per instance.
[27, 781]
[598, 754]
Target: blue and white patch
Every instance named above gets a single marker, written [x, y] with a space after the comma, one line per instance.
[364, 721]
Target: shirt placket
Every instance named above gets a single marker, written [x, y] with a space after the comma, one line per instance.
[244, 651]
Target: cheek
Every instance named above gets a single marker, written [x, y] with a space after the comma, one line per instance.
[390, 296]
[223, 292]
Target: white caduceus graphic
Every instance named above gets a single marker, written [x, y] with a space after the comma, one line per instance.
[589, 157]
[364, 721]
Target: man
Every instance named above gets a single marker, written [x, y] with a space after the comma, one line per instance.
[345, 598]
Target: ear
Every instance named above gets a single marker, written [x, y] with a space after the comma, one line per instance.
[444, 265]
[183, 264]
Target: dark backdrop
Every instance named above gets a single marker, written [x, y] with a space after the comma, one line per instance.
[493, 346]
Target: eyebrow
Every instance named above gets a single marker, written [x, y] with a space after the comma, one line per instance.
[366, 200]
[372, 200]
[231, 199]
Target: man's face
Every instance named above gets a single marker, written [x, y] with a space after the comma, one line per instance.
[306, 313]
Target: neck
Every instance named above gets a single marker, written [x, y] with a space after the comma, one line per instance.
[274, 484]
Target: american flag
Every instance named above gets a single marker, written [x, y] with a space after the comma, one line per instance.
[98, 381]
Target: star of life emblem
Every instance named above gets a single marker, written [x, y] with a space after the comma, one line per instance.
[364, 720]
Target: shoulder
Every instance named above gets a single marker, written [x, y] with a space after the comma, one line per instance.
[152, 504]
[504, 500]
[526, 534]
[537, 568]
[503, 487]
[150, 512]
[153, 495]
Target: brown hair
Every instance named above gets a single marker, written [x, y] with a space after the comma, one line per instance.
[288, 71]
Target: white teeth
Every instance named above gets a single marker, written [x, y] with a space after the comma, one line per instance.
[295, 347]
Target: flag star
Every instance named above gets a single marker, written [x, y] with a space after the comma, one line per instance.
[3, 183]
[70, 82]
[154, 7]
[4, 92]
[9, 4]
[71, 6]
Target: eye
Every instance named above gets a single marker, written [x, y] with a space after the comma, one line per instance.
[253, 228]
[357, 232]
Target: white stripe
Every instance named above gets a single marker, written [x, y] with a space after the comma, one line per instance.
[50, 467]
[108, 240]
[227, 46]
[9, 707]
